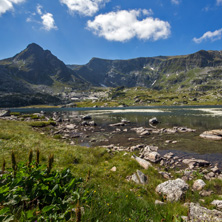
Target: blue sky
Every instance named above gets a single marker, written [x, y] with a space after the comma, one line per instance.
[77, 30]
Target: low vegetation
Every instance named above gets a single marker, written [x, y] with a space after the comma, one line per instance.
[101, 194]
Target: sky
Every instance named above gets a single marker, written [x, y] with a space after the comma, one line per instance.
[77, 30]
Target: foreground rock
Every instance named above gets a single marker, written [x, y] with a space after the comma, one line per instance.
[217, 203]
[212, 134]
[198, 213]
[199, 184]
[143, 163]
[139, 177]
[173, 189]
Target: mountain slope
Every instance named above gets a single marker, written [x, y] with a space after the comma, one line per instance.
[154, 72]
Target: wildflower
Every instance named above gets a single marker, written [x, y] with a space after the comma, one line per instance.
[94, 191]
[107, 204]
[110, 212]
[126, 195]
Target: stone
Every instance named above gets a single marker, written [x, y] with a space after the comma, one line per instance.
[143, 163]
[158, 202]
[87, 117]
[217, 203]
[168, 155]
[198, 213]
[4, 113]
[113, 169]
[139, 177]
[70, 126]
[199, 184]
[165, 175]
[212, 134]
[205, 193]
[173, 189]
[117, 124]
[196, 162]
[92, 123]
[184, 218]
[153, 157]
[153, 121]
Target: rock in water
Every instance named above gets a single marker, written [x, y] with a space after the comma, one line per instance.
[153, 121]
[212, 134]
[173, 189]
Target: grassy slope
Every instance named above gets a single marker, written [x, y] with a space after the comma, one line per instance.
[115, 199]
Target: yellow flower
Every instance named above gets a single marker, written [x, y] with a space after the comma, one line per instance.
[94, 191]
[107, 204]
[110, 212]
[126, 195]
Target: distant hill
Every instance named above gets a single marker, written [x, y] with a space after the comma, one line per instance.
[202, 70]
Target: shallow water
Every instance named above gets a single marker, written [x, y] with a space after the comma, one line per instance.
[201, 118]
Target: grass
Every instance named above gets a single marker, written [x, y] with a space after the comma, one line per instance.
[114, 198]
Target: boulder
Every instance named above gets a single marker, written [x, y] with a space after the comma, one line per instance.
[217, 203]
[212, 134]
[70, 126]
[139, 177]
[143, 163]
[173, 189]
[4, 113]
[158, 202]
[199, 184]
[198, 213]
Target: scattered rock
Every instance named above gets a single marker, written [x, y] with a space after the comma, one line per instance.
[70, 126]
[199, 184]
[4, 113]
[205, 193]
[217, 203]
[87, 117]
[113, 169]
[152, 156]
[143, 163]
[139, 177]
[153, 121]
[158, 202]
[198, 213]
[184, 218]
[173, 189]
[196, 162]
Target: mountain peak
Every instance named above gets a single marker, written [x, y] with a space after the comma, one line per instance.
[34, 46]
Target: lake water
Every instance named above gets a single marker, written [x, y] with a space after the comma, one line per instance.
[201, 118]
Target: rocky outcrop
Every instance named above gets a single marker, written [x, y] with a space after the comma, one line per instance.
[173, 189]
[217, 204]
[199, 214]
[143, 163]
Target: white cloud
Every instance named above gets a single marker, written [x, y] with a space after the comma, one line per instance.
[48, 22]
[213, 36]
[219, 2]
[84, 7]
[39, 9]
[124, 25]
[176, 2]
[6, 5]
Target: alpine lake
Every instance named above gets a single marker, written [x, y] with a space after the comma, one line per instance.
[189, 144]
